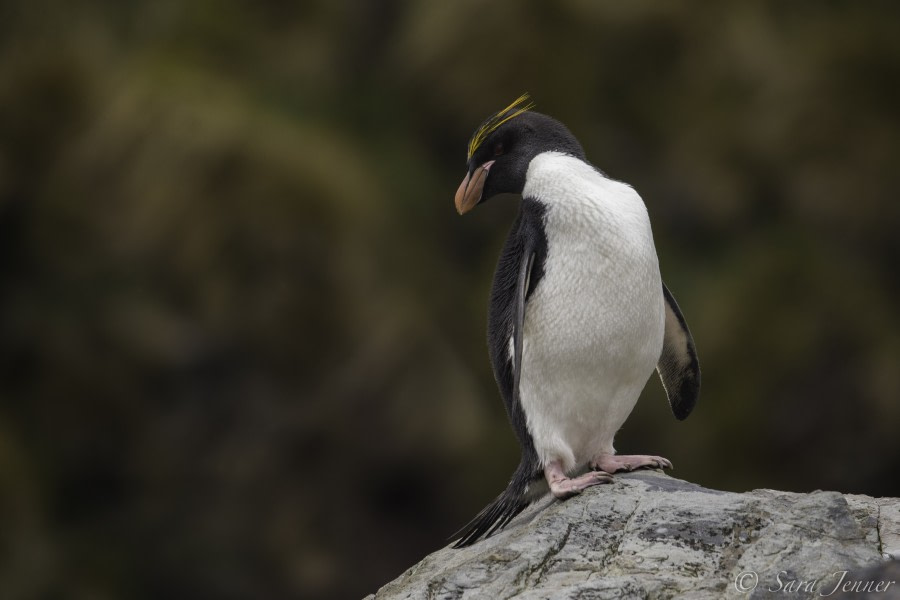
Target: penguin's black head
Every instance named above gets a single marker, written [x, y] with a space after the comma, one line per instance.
[503, 146]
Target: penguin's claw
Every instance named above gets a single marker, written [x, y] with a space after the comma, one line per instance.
[612, 463]
[563, 487]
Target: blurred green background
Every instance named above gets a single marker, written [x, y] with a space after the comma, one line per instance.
[242, 328]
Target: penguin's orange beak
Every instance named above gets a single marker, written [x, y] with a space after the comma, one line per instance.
[469, 192]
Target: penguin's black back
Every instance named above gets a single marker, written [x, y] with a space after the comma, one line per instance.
[527, 231]
[526, 237]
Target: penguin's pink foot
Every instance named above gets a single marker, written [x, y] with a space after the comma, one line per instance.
[611, 463]
[562, 487]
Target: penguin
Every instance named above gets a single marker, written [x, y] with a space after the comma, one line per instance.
[579, 316]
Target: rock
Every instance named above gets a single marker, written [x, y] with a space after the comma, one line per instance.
[648, 535]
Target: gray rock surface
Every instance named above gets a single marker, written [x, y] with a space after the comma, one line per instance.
[648, 535]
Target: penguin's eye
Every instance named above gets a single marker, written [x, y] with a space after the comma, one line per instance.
[498, 148]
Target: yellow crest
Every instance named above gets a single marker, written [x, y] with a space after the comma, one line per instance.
[522, 104]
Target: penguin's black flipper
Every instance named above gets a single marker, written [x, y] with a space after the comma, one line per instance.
[678, 367]
[519, 322]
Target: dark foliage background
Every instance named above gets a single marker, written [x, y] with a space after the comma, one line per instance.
[242, 329]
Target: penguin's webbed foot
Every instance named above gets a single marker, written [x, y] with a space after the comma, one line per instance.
[563, 487]
[612, 463]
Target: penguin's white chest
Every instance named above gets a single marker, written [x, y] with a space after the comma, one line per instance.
[594, 324]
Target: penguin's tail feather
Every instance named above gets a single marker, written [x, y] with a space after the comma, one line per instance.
[513, 500]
